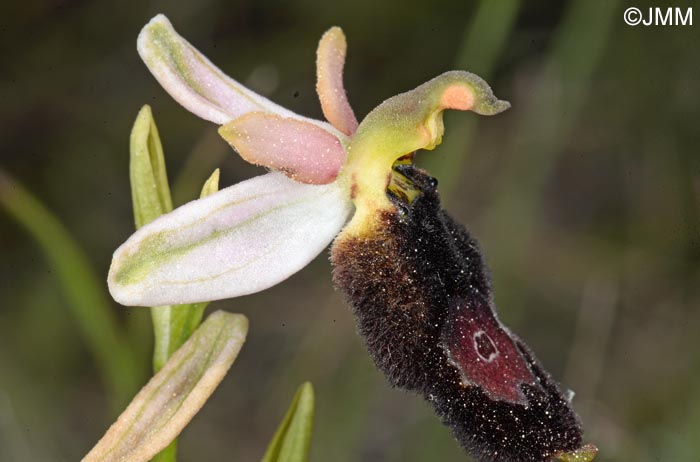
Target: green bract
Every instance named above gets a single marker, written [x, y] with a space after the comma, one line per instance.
[175, 394]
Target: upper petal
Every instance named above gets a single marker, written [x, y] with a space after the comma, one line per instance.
[195, 82]
[302, 151]
[241, 240]
[330, 60]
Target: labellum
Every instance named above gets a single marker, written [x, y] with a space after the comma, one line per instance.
[420, 293]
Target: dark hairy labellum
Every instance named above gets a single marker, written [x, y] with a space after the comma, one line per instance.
[422, 299]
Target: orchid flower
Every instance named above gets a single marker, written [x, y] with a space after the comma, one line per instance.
[415, 278]
[255, 234]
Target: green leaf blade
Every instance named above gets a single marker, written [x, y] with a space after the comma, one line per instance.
[83, 290]
[292, 440]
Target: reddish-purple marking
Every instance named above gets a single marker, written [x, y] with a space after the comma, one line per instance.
[482, 349]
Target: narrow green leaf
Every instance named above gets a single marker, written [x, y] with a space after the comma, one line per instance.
[292, 439]
[167, 403]
[84, 292]
[150, 195]
[150, 192]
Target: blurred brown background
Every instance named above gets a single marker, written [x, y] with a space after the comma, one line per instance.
[585, 196]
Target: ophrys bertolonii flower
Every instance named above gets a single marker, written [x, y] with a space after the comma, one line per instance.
[414, 277]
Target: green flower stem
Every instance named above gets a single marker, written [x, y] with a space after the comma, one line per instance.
[85, 293]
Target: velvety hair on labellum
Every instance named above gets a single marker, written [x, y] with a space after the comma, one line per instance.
[422, 299]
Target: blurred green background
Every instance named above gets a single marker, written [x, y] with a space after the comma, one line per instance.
[585, 197]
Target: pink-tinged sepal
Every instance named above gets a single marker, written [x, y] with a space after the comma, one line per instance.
[301, 150]
[240, 240]
[484, 352]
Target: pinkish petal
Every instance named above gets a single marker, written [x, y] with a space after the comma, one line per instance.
[330, 60]
[196, 83]
[301, 150]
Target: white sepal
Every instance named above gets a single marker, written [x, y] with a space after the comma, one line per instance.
[241, 240]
